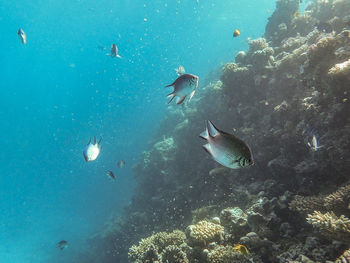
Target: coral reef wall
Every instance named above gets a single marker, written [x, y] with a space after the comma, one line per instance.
[290, 86]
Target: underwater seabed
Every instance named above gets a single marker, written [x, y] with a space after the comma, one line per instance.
[293, 204]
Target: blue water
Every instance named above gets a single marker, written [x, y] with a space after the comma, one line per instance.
[60, 89]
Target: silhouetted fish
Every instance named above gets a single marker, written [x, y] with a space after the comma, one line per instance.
[185, 85]
[114, 51]
[62, 244]
[324, 27]
[22, 36]
[226, 149]
[111, 175]
[92, 150]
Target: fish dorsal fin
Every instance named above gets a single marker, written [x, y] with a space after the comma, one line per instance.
[212, 130]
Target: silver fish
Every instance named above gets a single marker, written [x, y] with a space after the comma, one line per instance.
[114, 52]
[180, 70]
[226, 149]
[314, 146]
[22, 36]
[120, 163]
[92, 150]
[62, 244]
[185, 85]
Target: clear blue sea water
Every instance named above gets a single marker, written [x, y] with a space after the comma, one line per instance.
[60, 89]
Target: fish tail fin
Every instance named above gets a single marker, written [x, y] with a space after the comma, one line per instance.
[212, 130]
[172, 97]
[204, 135]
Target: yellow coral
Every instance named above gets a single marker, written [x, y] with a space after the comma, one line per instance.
[330, 225]
[205, 232]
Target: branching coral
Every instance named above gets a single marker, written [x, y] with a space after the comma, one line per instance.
[174, 254]
[306, 204]
[330, 225]
[225, 254]
[345, 257]
[204, 232]
[152, 248]
[338, 199]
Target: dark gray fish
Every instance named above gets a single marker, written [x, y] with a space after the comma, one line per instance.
[114, 52]
[62, 244]
[324, 27]
[22, 36]
[111, 175]
[226, 149]
[185, 85]
[92, 150]
[121, 163]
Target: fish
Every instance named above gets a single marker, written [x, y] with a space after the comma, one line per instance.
[297, 13]
[22, 36]
[114, 52]
[180, 70]
[236, 33]
[62, 244]
[111, 175]
[185, 85]
[225, 148]
[120, 163]
[314, 146]
[243, 250]
[92, 150]
[324, 27]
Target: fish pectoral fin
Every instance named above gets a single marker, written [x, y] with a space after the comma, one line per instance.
[181, 100]
[118, 56]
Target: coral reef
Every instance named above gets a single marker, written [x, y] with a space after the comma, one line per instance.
[288, 87]
[160, 247]
[330, 225]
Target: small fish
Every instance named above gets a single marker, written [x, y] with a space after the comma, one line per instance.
[314, 146]
[236, 33]
[114, 52]
[225, 148]
[62, 244]
[180, 70]
[297, 13]
[22, 36]
[185, 85]
[243, 250]
[120, 163]
[111, 175]
[324, 27]
[92, 150]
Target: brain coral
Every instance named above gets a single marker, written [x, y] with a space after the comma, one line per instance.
[204, 232]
